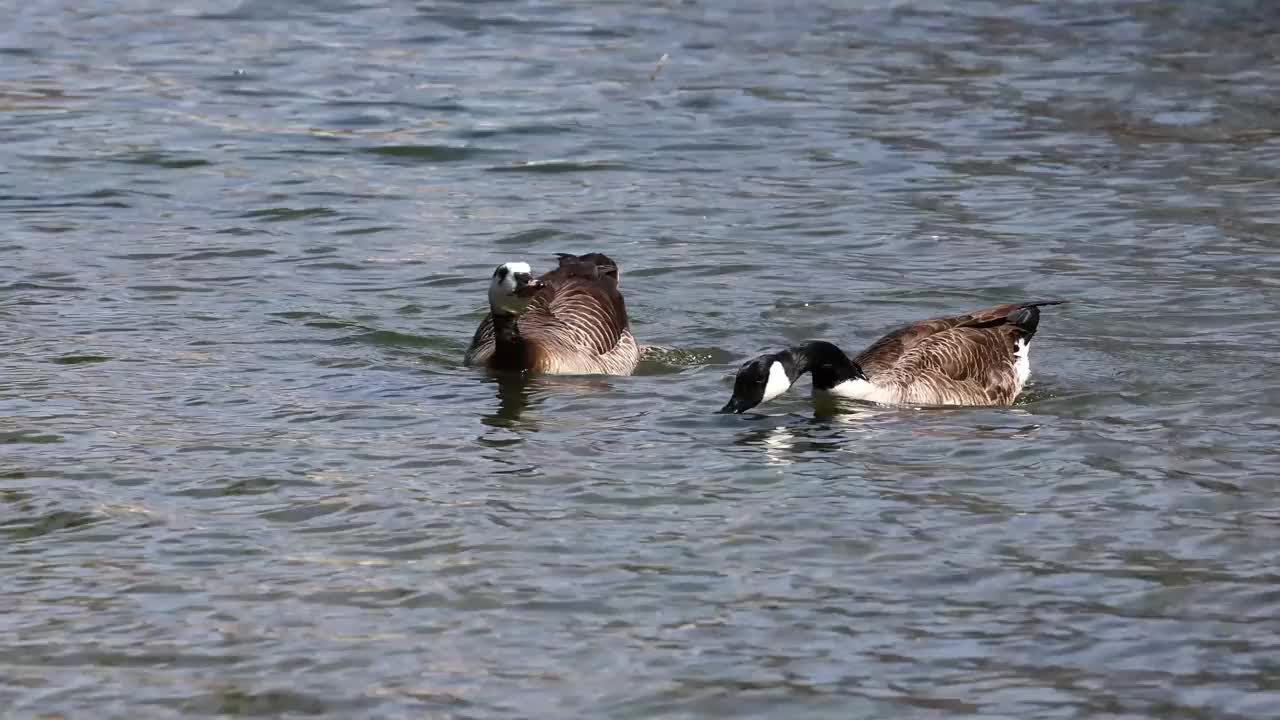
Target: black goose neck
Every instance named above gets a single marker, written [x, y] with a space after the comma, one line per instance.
[509, 346]
[505, 320]
[827, 363]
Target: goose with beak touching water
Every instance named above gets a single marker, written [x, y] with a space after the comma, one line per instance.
[570, 321]
[979, 358]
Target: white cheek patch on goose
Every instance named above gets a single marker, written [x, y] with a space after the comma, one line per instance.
[778, 382]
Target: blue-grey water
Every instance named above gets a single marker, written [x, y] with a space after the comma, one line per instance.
[243, 245]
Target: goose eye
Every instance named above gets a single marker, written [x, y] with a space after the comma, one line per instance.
[501, 273]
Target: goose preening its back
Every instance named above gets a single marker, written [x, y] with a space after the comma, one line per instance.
[979, 358]
[570, 321]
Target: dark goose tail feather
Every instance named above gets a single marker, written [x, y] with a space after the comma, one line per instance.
[603, 264]
[1042, 303]
[1027, 317]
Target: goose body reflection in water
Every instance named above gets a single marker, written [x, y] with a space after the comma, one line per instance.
[516, 393]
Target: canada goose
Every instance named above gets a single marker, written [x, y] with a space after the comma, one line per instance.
[570, 321]
[979, 358]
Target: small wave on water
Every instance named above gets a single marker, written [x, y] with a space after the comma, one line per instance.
[660, 360]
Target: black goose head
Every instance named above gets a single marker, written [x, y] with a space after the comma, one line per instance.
[762, 379]
[770, 375]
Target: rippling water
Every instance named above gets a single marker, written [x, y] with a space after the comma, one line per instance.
[245, 244]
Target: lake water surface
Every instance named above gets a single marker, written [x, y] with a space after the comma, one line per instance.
[243, 246]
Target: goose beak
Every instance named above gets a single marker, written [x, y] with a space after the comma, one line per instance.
[526, 286]
[736, 405]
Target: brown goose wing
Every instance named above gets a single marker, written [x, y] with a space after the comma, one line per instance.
[578, 314]
[972, 363]
[884, 353]
[482, 343]
[961, 365]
